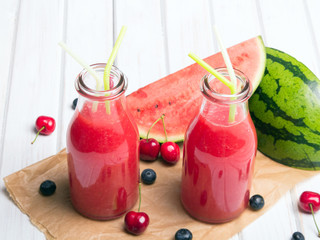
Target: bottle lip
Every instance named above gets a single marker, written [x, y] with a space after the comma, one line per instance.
[241, 96]
[101, 95]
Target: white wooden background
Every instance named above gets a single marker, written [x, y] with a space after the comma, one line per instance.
[37, 77]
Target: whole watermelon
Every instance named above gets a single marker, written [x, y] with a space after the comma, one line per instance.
[285, 109]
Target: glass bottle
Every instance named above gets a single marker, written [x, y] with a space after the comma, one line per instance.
[218, 153]
[102, 148]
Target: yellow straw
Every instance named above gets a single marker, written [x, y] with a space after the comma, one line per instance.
[232, 75]
[220, 77]
[226, 57]
[214, 72]
[107, 70]
[82, 63]
[106, 74]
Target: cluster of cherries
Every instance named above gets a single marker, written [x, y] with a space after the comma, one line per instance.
[150, 147]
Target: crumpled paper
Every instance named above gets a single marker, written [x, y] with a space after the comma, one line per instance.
[56, 218]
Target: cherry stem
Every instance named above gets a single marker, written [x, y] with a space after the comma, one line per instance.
[310, 205]
[153, 125]
[139, 197]
[164, 127]
[38, 134]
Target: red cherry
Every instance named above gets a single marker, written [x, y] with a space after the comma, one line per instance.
[307, 198]
[149, 149]
[170, 152]
[136, 222]
[310, 202]
[45, 125]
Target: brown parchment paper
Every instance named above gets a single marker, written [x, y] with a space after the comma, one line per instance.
[55, 216]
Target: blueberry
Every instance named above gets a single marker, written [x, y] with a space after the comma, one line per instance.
[297, 236]
[47, 188]
[183, 234]
[256, 202]
[148, 176]
[74, 103]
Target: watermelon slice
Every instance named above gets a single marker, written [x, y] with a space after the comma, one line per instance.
[178, 95]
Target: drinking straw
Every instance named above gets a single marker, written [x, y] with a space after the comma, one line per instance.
[106, 74]
[214, 72]
[83, 64]
[232, 75]
[220, 77]
[226, 57]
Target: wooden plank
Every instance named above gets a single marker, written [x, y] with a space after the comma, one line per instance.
[142, 55]
[188, 29]
[236, 20]
[89, 33]
[34, 91]
[308, 227]
[8, 26]
[277, 223]
[35, 83]
[286, 28]
[311, 9]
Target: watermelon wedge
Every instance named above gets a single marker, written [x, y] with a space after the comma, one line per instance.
[178, 95]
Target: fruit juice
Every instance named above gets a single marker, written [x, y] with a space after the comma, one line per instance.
[103, 160]
[219, 168]
[218, 160]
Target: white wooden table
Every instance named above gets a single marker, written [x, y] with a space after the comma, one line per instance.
[37, 77]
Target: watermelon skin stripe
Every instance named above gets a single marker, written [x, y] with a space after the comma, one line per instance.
[284, 135]
[278, 112]
[280, 133]
[312, 84]
[285, 110]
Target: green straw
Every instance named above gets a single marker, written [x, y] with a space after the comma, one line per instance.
[82, 63]
[226, 57]
[106, 74]
[232, 75]
[220, 77]
[107, 70]
[214, 72]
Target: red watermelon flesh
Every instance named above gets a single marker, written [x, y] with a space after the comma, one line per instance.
[178, 95]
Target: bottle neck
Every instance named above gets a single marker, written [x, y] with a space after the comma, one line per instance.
[93, 96]
[91, 89]
[219, 105]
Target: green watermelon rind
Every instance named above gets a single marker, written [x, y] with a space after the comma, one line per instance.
[285, 109]
[160, 138]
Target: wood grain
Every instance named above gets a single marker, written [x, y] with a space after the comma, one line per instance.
[38, 77]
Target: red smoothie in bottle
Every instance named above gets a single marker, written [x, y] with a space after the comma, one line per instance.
[218, 159]
[103, 158]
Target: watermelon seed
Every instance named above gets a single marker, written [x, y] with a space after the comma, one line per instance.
[138, 110]
[169, 103]
[156, 106]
